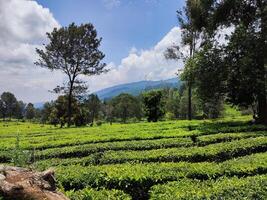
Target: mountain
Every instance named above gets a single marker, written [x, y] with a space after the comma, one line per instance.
[39, 105]
[136, 88]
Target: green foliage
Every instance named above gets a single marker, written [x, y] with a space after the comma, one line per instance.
[241, 91]
[91, 194]
[223, 188]
[59, 112]
[30, 111]
[137, 178]
[231, 112]
[207, 73]
[126, 106]
[98, 123]
[74, 50]
[214, 152]
[8, 105]
[183, 104]
[143, 158]
[92, 105]
[234, 69]
[172, 103]
[18, 156]
[154, 109]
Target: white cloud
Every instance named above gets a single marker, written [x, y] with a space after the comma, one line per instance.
[23, 26]
[143, 64]
[109, 4]
[147, 64]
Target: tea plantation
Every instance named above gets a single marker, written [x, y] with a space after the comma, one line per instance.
[223, 159]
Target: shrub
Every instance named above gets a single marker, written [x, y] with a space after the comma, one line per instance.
[98, 123]
[18, 156]
[88, 194]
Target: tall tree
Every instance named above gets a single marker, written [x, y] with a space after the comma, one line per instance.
[172, 101]
[60, 111]
[2, 109]
[207, 68]
[46, 111]
[20, 110]
[74, 50]
[190, 21]
[93, 104]
[30, 111]
[246, 50]
[154, 107]
[9, 104]
[126, 106]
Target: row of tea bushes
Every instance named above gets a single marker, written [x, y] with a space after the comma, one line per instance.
[223, 188]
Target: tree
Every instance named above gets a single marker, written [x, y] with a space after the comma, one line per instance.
[92, 104]
[245, 83]
[109, 111]
[46, 111]
[8, 104]
[20, 110]
[79, 117]
[74, 50]
[60, 111]
[172, 101]
[2, 109]
[183, 104]
[30, 111]
[208, 70]
[154, 107]
[190, 20]
[246, 51]
[126, 106]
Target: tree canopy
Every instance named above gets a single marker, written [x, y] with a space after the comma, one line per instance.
[236, 69]
[74, 50]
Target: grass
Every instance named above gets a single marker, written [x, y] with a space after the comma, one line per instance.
[211, 159]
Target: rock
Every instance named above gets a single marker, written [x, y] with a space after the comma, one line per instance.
[2, 177]
[23, 184]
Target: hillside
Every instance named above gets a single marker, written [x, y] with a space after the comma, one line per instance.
[136, 88]
[164, 160]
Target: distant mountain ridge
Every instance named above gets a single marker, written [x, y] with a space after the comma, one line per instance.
[136, 88]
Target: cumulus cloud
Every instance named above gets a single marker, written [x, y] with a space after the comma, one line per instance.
[23, 26]
[142, 64]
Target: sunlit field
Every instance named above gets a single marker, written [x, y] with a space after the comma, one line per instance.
[166, 160]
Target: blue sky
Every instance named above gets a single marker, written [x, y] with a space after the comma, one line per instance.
[135, 33]
[122, 24]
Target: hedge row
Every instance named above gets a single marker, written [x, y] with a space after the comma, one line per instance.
[214, 152]
[44, 138]
[89, 193]
[223, 188]
[84, 150]
[136, 179]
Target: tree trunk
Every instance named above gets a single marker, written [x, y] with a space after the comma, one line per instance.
[262, 101]
[262, 109]
[70, 105]
[192, 49]
[189, 101]
[93, 117]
